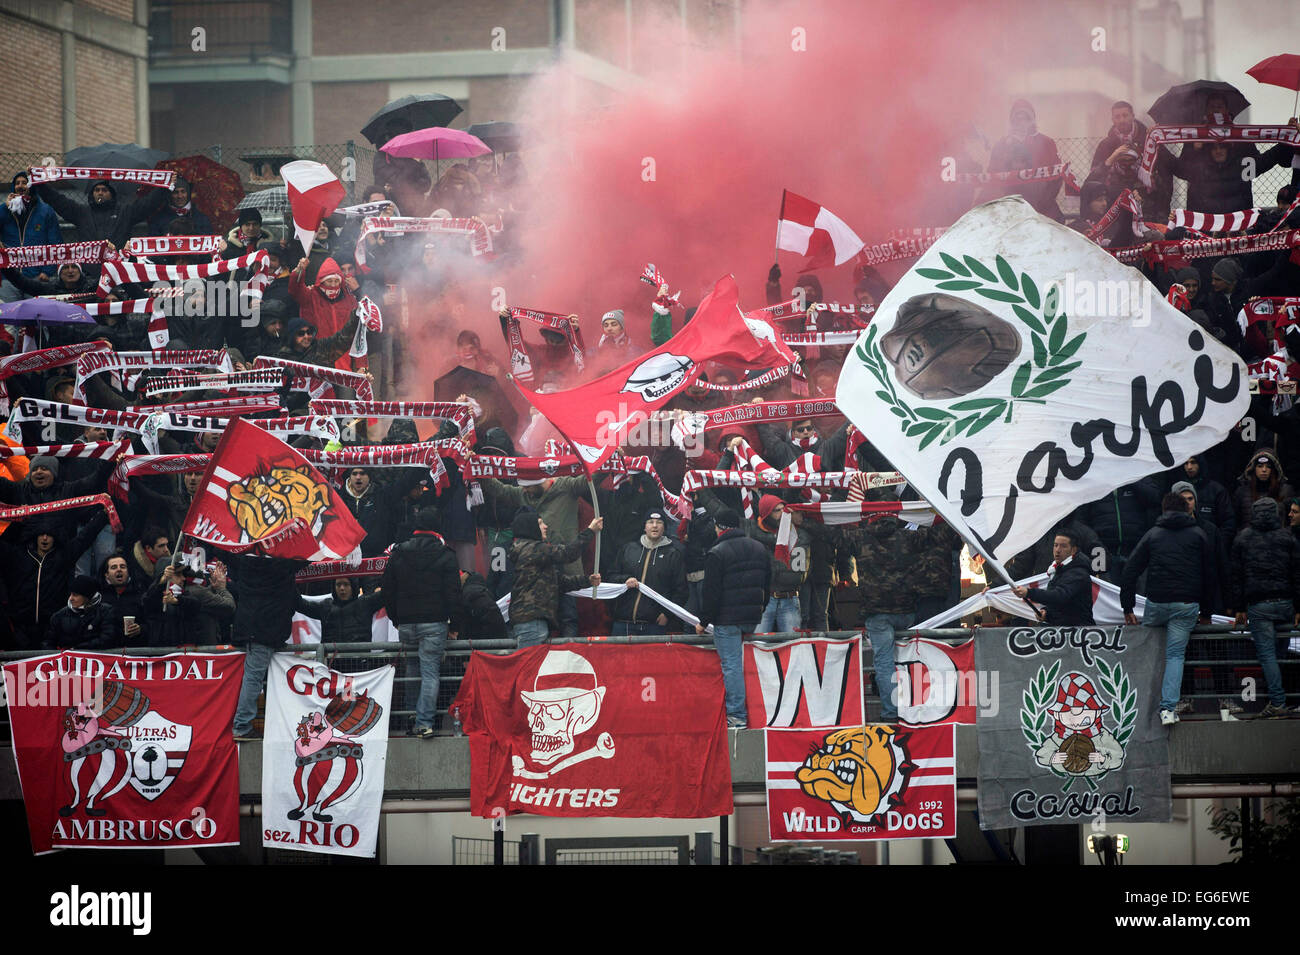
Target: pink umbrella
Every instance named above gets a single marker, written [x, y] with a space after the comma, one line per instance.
[437, 142]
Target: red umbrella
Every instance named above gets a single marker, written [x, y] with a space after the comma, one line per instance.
[216, 189]
[1282, 70]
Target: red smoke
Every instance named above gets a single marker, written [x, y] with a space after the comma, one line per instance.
[858, 121]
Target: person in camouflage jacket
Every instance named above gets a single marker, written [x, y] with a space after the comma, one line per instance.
[540, 577]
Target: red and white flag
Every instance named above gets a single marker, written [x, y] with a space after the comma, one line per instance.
[595, 417]
[569, 730]
[804, 683]
[260, 494]
[314, 193]
[813, 230]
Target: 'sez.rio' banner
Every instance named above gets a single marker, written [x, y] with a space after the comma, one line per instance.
[127, 752]
[868, 782]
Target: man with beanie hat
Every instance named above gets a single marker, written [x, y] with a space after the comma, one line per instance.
[540, 577]
[1213, 502]
[86, 623]
[1228, 294]
[737, 582]
[42, 486]
[36, 574]
[102, 215]
[246, 235]
[614, 347]
[782, 614]
[421, 590]
[660, 562]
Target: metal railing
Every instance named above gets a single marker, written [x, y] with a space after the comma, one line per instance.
[466, 850]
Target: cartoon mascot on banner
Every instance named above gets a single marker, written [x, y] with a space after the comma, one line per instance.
[265, 502]
[1079, 744]
[329, 765]
[92, 738]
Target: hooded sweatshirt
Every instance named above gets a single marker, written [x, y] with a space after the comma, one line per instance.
[1248, 491]
[1265, 559]
[110, 220]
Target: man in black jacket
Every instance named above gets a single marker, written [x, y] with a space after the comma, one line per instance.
[421, 588]
[1180, 569]
[737, 582]
[478, 615]
[656, 560]
[37, 574]
[102, 215]
[1068, 594]
[1265, 581]
[86, 623]
[266, 597]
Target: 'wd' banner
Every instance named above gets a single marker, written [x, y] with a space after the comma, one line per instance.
[581, 730]
[1075, 735]
[804, 683]
[861, 782]
[127, 752]
[936, 681]
[324, 755]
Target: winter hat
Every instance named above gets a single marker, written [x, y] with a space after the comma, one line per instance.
[1187, 275]
[428, 519]
[655, 514]
[1227, 269]
[766, 505]
[726, 519]
[1182, 486]
[249, 215]
[616, 314]
[525, 526]
[90, 190]
[1023, 104]
[49, 462]
[530, 482]
[84, 585]
[297, 324]
[327, 268]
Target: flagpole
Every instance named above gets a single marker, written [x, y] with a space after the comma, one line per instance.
[595, 506]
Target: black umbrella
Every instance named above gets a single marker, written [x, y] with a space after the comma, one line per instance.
[115, 156]
[1186, 103]
[500, 137]
[408, 114]
[486, 390]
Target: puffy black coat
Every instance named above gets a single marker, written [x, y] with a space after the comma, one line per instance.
[1124, 515]
[344, 621]
[737, 582]
[1179, 561]
[375, 513]
[663, 567]
[129, 602]
[1265, 559]
[478, 616]
[63, 524]
[110, 220]
[701, 533]
[266, 597]
[421, 583]
[38, 586]
[1068, 595]
[1211, 186]
[92, 627]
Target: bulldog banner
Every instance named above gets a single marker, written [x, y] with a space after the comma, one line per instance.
[326, 744]
[1075, 736]
[861, 782]
[1010, 377]
[803, 683]
[583, 730]
[126, 752]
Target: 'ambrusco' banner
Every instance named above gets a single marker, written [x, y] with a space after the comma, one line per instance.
[127, 752]
[814, 682]
[324, 755]
[1075, 736]
[861, 782]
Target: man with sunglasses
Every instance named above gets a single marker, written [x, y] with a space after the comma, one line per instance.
[301, 343]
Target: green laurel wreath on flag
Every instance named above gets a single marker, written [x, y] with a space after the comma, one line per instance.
[1038, 696]
[1044, 373]
[1123, 698]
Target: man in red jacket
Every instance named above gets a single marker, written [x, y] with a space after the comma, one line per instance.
[327, 304]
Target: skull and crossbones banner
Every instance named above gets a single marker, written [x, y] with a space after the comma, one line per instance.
[119, 752]
[581, 730]
[326, 744]
[595, 417]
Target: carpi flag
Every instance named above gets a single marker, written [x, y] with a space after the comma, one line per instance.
[1018, 371]
[813, 230]
[314, 193]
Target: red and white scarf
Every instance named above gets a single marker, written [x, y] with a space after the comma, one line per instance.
[27, 256]
[118, 273]
[1173, 252]
[39, 409]
[67, 504]
[130, 365]
[158, 178]
[1208, 134]
[461, 414]
[1034, 174]
[1126, 200]
[254, 380]
[521, 362]
[1213, 221]
[317, 379]
[851, 512]
[172, 244]
[96, 450]
[43, 360]
[370, 319]
[769, 376]
[314, 426]
[158, 333]
[427, 455]
[479, 229]
[329, 569]
[223, 407]
[145, 465]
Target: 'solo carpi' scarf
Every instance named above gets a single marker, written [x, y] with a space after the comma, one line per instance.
[479, 229]
[172, 244]
[521, 362]
[158, 178]
[1158, 135]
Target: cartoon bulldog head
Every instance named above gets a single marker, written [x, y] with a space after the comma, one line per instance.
[263, 503]
[853, 767]
[659, 375]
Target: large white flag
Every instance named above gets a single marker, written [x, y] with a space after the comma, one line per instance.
[1018, 371]
[323, 756]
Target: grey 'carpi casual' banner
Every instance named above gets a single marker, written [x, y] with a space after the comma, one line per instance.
[1076, 736]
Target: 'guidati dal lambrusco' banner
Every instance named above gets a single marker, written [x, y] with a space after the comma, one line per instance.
[323, 757]
[1075, 736]
[1019, 371]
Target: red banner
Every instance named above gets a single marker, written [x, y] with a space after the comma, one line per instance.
[937, 682]
[861, 782]
[803, 683]
[127, 752]
[580, 730]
